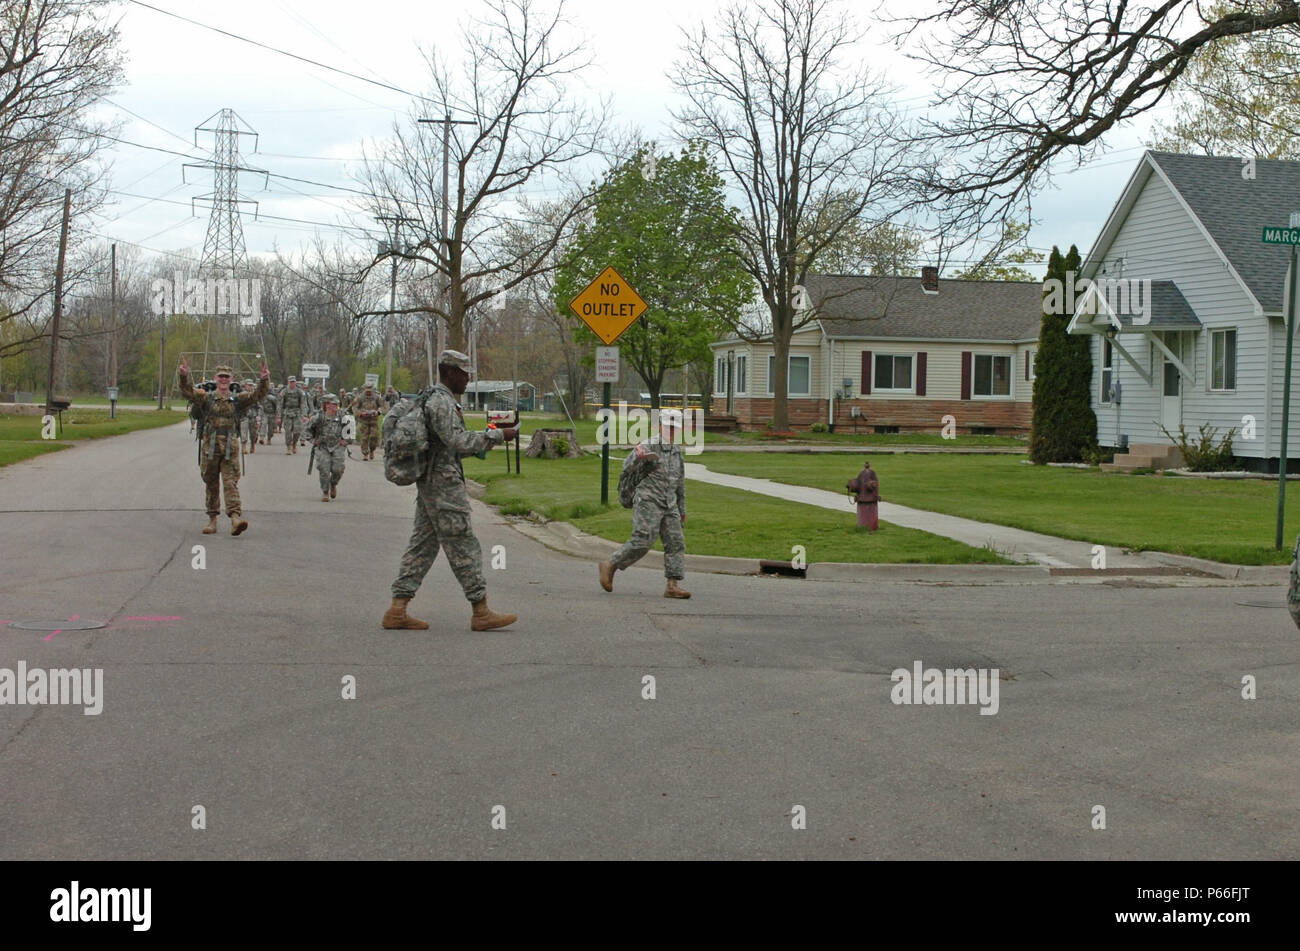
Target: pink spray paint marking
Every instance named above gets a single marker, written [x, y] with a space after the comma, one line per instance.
[53, 633]
[140, 617]
[75, 617]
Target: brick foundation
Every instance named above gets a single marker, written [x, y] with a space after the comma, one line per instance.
[1005, 417]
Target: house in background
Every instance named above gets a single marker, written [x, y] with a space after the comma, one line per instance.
[896, 354]
[1209, 344]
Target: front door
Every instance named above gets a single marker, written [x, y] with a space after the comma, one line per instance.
[1171, 400]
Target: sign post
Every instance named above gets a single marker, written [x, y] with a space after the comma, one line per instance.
[1289, 236]
[607, 305]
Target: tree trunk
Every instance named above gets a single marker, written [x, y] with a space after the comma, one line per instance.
[780, 381]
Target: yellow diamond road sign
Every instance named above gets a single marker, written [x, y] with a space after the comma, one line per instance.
[608, 305]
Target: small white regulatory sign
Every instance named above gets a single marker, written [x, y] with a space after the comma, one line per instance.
[607, 364]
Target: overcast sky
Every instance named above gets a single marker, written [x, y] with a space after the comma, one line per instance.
[312, 122]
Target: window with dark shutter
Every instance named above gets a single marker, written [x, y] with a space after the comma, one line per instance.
[866, 372]
[965, 374]
[920, 373]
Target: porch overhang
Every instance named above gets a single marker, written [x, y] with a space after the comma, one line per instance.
[1145, 309]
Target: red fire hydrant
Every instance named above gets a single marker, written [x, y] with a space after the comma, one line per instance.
[865, 490]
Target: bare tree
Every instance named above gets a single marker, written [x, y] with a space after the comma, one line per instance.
[515, 126]
[770, 92]
[1030, 80]
[57, 57]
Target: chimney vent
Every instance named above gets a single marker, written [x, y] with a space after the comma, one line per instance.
[930, 279]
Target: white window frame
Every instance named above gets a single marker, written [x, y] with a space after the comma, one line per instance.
[892, 355]
[771, 362]
[720, 376]
[1107, 373]
[1214, 335]
[1033, 358]
[742, 374]
[1011, 376]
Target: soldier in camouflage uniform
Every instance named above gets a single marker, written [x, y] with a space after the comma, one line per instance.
[270, 410]
[442, 508]
[326, 434]
[660, 507]
[250, 425]
[368, 407]
[293, 407]
[220, 461]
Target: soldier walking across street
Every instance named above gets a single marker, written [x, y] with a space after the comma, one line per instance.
[368, 407]
[218, 459]
[293, 407]
[658, 466]
[442, 510]
[331, 449]
[391, 396]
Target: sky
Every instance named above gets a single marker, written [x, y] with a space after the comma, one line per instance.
[313, 124]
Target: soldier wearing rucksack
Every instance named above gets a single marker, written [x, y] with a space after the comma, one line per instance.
[653, 485]
[219, 463]
[424, 441]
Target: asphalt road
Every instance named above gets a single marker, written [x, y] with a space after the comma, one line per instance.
[770, 694]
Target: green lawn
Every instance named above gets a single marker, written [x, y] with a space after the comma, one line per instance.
[13, 451]
[1230, 521]
[20, 436]
[720, 521]
[87, 424]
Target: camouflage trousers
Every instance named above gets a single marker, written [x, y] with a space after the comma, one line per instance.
[248, 429]
[292, 430]
[329, 466]
[442, 521]
[368, 434]
[216, 471]
[651, 519]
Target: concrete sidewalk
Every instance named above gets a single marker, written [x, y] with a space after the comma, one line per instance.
[1013, 543]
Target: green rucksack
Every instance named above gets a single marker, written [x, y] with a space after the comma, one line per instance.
[407, 446]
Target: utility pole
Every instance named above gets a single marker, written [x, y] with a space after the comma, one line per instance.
[58, 299]
[388, 330]
[447, 122]
[112, 317]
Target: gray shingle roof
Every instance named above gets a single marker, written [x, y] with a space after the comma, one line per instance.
[1235, 210]
[1168, 310]
[855, 306]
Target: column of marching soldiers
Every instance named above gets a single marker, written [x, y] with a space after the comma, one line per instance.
[425, 446]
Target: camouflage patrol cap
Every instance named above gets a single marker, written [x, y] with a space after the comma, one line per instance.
[329, 398]
[453, 358]
[293, 379]
[223, 369]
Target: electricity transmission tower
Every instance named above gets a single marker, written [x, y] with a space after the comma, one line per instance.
[225, 257]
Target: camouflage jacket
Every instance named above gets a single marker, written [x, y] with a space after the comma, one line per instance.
[327, 429]
[221, 411]
[664, 480]
[293, 402]
[270, 406]
[369, 407]
[451, 440]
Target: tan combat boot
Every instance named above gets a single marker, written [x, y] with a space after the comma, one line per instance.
[325, 497]
[212, 526]
[252, 447]
[396, 618]
[607, 576]
[485, 620]
[672, 591]
[237, 525]
[334, 492]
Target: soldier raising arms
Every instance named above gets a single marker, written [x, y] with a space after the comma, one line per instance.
[218, 455]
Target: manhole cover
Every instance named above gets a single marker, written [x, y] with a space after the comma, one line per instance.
[1260, 604]
[80, 624]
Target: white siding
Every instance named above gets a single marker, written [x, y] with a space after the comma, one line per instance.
[1163, 243]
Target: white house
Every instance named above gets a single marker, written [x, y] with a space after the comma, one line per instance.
[1186, 311]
